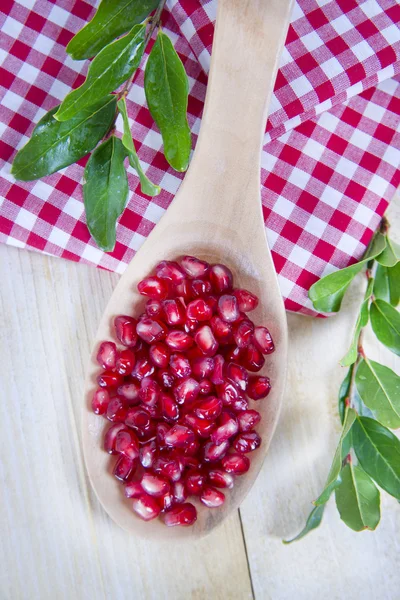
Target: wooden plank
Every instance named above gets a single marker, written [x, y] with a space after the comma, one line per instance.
[56, 540]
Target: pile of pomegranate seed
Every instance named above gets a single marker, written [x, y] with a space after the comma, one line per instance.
[178, 392]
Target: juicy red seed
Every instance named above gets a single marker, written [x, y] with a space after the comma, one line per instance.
[202, 427]
[233, 354]
[153, 287]
[247, 442]
[179, 340]
[259, 387]
[236, 464]
[147, 454]
[239, 404]
[167, 501]
[203, 367]
[109, 379]
[165, 378]
[133, 489]
[155, 485]
[154, 308]
[129, 391]
[228, 392]
[179, 436]
[107, 355]
[116, 410]
[248, 419]
[184, 290]
[143, 368]
[146, 507]
[228, 308]
[168, 467]
[211, 497]
[125, 330]
[206, 341]
[220, 478]
[194, 267]
[138, 419]
[195, 482]
[179, 492]
[150, 330]
[127, 443]
[186, 391]
[190, 325]
[221, 278]
[169, 407]
[174, 311]
[263, 340]
[149, 391]
[209, 408]
[154, 410]
[246, 300]
[199, 310]
[159, 355]
[124, 468]
[213, 453]
[111, 436]
[206, 387]
[217, 376]
[170, 270]
[222, 330]
[125, 362]
[180, 366]
[183, 514]
[228, 427]
[238, 375]
[201, 287]
[191, 450]
[162, 430]
[252, 358]
[100, 401]
[243, 333]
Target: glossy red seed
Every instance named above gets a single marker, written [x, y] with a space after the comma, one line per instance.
[168, 467]
[179, 340]
[180, 365]
[247, 442]
[100, 401]
[202, 367]
[191, 449]
[227, 427]
[263, 340]
[209, 408]
[246, 300]
[220, 478]
[107, 355]
[153, 287]
[233, 354]
[201, 287]
[127, 443]
[236, 464]
[109, 379]
[206, 387]
[129, 391]
[228, 392]
[239, 404]
[194, 267]
[214, 453]
[125, 330]
[221, 278]
[179, 436]
[165, 378]
[116, 410]
[150, 330]
[179, 492]
[206, 341]
[243, 333]
[124, 468]
[148, 454]
[203, 427]
[133, 489]
[155, 485]
[154, 308]
[154, 410]
[199, 310]
[238, 375]
[111, 436]
[222, 330]
[167, 269]
[228, 308]
[182, 514]
[195, 482]
[191, 326]
[166, 501]
[149, 391]
[248, 419]
[218, 376]
[259, 387]
[184, 290]
[125, 362]
[186, 391]
[252, 359]
[169, 408]
[138, 419]
[143, 368]
[211, 497]
[146, 507]
[174, 310]
[159, 355]
[162, 430]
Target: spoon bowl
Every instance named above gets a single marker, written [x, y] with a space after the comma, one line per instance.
[216, 216]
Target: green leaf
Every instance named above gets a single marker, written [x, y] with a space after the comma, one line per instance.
[54, 145]
[385, 321]
[105, 191]
[379, 388]
[146, 185]
[344, 393]
[333, 479]
[313, 521]
[111, 67]
[358, 499]
[327, 293]
[362, 320]
[391, 254]
[387, 284]
[112, 19]
[166, 87]
[378, 452]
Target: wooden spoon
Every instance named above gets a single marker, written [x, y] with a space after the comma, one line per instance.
[216, 215]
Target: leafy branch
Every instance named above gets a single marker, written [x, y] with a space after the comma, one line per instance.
[116, 38]
[368, 453]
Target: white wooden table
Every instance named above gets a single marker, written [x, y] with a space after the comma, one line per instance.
[57, 543]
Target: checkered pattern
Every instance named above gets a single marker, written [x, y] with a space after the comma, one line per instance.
[332, 145]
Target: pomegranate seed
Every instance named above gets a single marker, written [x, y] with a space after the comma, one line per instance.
[191, 450]
[228, 392]
[248, 419]
[203, 367]
[165, 378]
[201, 287]
[138, 419]
[147, 454]
[153, 287]
[125, 362]
[259, 387]
[221, 278]
[233, 354]
[116, 410]
[247, 442]
[166, 501]
[180, 366]
[169, 407]
[209, 408]
[155, 485]
[127, 443]
[179, 492]
[153, 410]
[213, 302]
[169, 467]
[190, 325]
[143, 368]
[174, 311]
[125, 330]
[179, 340]
[100, 401]
[146, 507]
[162, 430]
[195, 482]
[236, 464]
[199, 310]
[182, 514]
[263, 340]
[186, 391]
[111, 436]
[238, 375]
[109, 379]
[239, 404]
[179, 436]
[150, 330]
[242, 333]
[252, 358]
[228, 308]
[202, 427]
[246, 300]
[149, 391]
[228, 426]
[213, 453]
[159, 355]
[222, 330]
[124, 468]
[129, 391]
[220, 478]
[217, 376]
[133, 489]
[190, 462]
[194, 267]
[170, 270]
[154, 308]
[107, 355]
[184, 290]
[211, 497]
[205, 387]
[206, 341]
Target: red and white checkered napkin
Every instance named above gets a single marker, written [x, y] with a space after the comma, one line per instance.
[331, 159]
